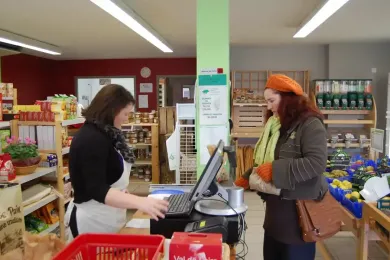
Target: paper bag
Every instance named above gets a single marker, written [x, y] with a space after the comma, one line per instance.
[258, 184]
[11, 218]
[37, 247]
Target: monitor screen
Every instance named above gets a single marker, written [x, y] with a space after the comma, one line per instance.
[209, 173]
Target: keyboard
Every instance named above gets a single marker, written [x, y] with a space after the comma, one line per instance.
[179, 205]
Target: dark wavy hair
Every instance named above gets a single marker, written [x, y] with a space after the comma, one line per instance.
[293, 108]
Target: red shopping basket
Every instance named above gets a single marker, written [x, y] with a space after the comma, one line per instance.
[113, 247]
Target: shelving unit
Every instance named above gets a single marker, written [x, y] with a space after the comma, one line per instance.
[350, 120]
[55, 174]
[154, 161]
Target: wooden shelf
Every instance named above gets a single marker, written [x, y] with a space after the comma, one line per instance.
[249, 104]
[348, 122]
[50, 229]
[245, 135]
[342, 145]
[39, 172]
[345, 112]
[141, 124]
[134, 180]
[39, 204]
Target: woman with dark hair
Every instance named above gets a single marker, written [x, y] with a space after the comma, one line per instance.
[291, 154]
[99, 165]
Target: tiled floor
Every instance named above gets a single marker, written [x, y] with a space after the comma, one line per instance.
[342, 246]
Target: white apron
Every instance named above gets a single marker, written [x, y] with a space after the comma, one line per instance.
[95, 217]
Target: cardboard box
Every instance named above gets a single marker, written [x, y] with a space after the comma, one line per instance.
[195, 246]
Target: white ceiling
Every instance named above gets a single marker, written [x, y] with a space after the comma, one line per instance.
[84, 31]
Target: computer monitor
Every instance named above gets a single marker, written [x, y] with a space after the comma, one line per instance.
[208, 177]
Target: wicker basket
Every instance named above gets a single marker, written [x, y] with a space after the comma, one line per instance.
[26, 170]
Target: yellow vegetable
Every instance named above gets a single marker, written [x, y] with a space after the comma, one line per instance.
[348, 195]
[355, 194]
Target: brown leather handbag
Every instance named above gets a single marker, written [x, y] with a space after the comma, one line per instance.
[319, 219]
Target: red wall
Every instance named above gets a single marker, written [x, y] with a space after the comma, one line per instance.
[32, 76]
[36, 78]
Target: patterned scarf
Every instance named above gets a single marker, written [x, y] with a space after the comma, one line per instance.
[118, 140]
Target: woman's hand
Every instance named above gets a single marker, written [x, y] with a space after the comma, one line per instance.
[155, 208]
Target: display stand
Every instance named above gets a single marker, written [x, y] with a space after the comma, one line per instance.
[369, 229]
[46, 172]
[154, 146]
[338, 121]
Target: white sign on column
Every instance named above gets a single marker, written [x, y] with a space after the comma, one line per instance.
[213, 108]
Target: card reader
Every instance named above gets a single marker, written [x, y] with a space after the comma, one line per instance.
[218, 225]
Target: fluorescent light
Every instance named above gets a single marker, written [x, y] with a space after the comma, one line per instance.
[28, 46]
[326, 11]
[129, 20]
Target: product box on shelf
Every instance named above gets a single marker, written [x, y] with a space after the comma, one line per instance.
[195, 246]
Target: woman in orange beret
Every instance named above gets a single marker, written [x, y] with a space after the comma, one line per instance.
[291, 154]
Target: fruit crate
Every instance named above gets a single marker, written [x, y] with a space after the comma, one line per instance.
[248, 119]
[337, 193]
[345, 178]
[356, 208]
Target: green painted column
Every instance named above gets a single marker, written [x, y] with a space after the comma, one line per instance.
[212, 46]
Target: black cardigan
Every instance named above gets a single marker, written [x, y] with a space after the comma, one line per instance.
[94, 164]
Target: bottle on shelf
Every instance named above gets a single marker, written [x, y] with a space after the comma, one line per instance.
[336, 94]
[320, 94]
[360, 94]
[367, 95]
[328, 94]
[352, 94]
[344, 94]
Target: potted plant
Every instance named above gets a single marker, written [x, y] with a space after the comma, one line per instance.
[24, 154]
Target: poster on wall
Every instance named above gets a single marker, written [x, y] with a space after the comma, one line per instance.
[377, 138]
[146, 87]
[213, 108]
[104, 82]
[143, 101]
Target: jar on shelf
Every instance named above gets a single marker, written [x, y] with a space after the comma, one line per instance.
[148, 171]
[344, 87]
[367, 86]
[335, 87]
[327, 86]
[148, 140]
[137, 115]
[140, 134]
[155, 120]
[138, 120]
[352, 86]
[149, 134]
[133, 134]
[141, 153]
[133, 140]
[360, 86]
[145, 120]
[319, 86]
[151, 115]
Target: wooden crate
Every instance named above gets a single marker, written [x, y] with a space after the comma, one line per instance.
[167, 119]
[248, 118]
[248, 86]
[300, 76]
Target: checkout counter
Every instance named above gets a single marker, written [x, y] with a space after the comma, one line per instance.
[213, 208]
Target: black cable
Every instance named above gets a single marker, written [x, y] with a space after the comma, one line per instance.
[241, 229]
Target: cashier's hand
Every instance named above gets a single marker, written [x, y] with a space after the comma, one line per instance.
[155, 208]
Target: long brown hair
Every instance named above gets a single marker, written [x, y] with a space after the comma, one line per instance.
[293, 108]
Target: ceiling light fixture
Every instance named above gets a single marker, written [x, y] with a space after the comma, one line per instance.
[24, 42]
[326, 11]
[28, 46]
[129, 18]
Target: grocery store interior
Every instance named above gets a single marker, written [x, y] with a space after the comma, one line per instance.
[56, 55]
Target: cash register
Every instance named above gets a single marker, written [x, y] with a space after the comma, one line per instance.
[207, 202]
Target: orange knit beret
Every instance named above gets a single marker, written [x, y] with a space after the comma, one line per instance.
[283, 83]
